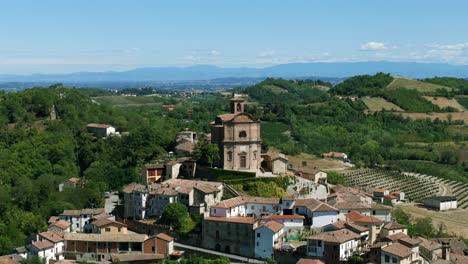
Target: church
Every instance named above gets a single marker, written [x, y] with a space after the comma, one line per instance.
[238, 137]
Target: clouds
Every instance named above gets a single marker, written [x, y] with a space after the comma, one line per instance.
[373, 45]
[266, 53]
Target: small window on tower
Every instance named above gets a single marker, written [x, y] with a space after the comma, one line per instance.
[239, 107]
[242, 134]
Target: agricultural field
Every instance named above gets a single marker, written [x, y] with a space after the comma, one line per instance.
[376, 104]
[443, 102]
[318, 162]
[400, 82]
[124, 101]
[461, 116]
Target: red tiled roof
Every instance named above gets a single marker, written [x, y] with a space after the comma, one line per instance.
[164, 237]
[274, 226]
[338, 236]
[314, 205]
[241, 220]
[53, 236]
[74, 180]
[398, 249]
[62, 224]
[105, 222]
[42, 244]
[390, 196]
[394, 225]
[98, 125]
[278, 217]
[310, 261]
[239, 200]
[361, 218]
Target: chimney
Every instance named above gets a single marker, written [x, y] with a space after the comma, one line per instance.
[446, 250]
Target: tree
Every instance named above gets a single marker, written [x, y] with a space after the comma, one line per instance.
[424, 227]
[205, 152]
[335, 178]
[177, 215]
[401, 216]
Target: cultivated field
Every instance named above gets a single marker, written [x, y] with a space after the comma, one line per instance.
[313, 161]
[454, 220]
[442, 116]
[443, 102]
[376, 104]
[399, 82]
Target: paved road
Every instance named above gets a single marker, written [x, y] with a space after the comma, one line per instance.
[207, 251]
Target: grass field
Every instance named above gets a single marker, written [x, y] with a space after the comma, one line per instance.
[129, 100]
[443, 102]
[376, 104]
[399, 82]
[316, 162]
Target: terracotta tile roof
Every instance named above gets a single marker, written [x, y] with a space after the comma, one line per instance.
[410, 241]
[164, 237]
[398, 249]
[380, 190]
[106, 222]
[334, 155]
[154, 166]
[390, 196]
[62, 224]
[53, 236]
[396, 237]
[185, 146]
[134, 187]
[338, 236]
[106, 237]
[74, 180]
[241, 220]
[86, 211]
[456, 244]
[274, 226]
[53, 219]
[279, 217]
[41, 245]
[429, 245]
[358, 228]
[243, 118]
[394, 225]
[310, 261]
[276, 156]
[239, 200]
[306, 170]
[358, 206]
[226, 117]
[339, 224]
[98, 125]
[314, 205]
[130, 257]
[361, 218]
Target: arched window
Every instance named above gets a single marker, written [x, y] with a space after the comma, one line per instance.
[255, 155]
[242, 134]
[239, 107]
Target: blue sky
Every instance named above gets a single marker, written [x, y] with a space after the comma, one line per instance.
[55, 36]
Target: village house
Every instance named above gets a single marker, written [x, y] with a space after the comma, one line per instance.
[336, 155]
[318, 214]
[374, 224]
[238, 137]
[315, 175]
[334, 246]
[234, 235]
[49, 246]
[247, 206]
[142, 201]
[267, 237]
[184, 166]
[393, 228]
[292, 224]
[152, 173]
[276, 163]
[401, 248]
[107, 226]
[441, 203]
[101, 130]
[101, 247]
[380, 211]
[71, 183]
[80, 219]
[361, 230]
[57, 224]
[430, 250]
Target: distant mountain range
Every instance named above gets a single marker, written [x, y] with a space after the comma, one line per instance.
[208, 72]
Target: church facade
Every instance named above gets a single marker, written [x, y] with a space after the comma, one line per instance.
[237, 135]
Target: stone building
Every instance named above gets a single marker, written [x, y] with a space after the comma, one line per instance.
[238, 137]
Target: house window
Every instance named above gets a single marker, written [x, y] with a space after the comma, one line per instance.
[108, 229]
[258, 234]
[217, 234]
[394, 260]
[214, 211]
[257, 244]
[242, 134]
[151, 172]
[373, 212]
[387, 258]
[319, 243]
